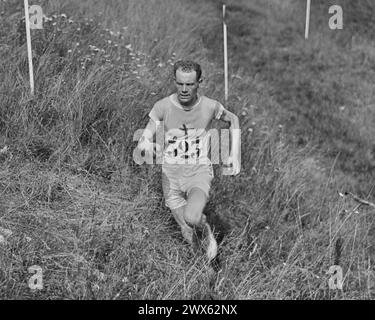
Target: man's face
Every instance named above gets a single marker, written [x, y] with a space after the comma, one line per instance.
[187, 87]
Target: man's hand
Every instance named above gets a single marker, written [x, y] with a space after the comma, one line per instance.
[145, 144]
[235, 165]
[149, 147]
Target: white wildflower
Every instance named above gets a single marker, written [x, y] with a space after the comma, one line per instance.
[4, 150]
[6, 232]
[96, 287]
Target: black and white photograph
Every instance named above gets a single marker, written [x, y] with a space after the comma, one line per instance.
[188, 155]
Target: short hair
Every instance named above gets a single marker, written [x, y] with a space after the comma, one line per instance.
[188, 66]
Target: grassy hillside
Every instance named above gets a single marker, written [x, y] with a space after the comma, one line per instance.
[323, 86]
[73, 202]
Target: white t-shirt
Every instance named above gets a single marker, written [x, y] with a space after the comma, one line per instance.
[186, 133]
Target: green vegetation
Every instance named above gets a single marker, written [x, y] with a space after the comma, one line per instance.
[79, 207]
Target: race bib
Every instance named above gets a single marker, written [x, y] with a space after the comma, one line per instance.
[185, 147]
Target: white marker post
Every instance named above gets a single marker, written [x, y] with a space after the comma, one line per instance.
[29, 52]
[225, 56]
[307, 27]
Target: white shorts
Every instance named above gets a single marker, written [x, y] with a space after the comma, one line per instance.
[179, 179]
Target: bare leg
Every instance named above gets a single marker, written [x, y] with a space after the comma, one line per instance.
[193, 214]
[187, 231]
[196, 202]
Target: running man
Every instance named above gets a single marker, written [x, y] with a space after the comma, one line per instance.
[187, 171]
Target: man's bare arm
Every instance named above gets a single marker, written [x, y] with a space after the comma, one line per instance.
[235, 132]
[231, 118]
[146, 140]
[149, 132]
